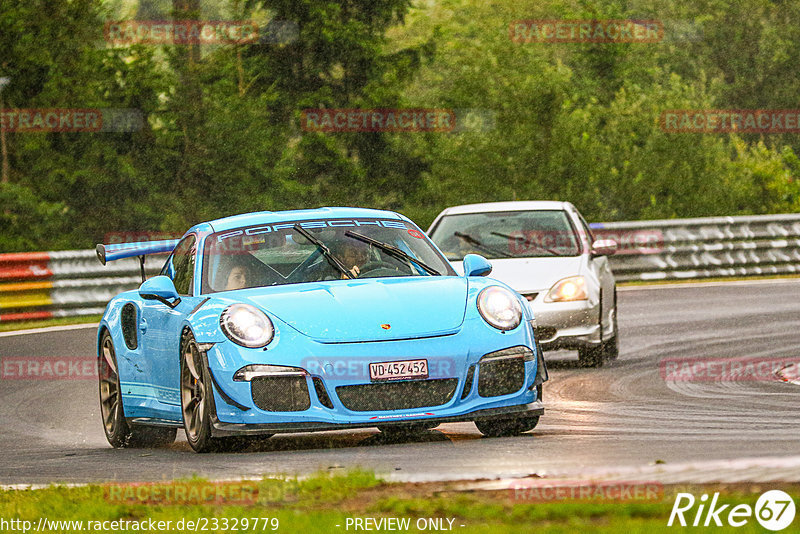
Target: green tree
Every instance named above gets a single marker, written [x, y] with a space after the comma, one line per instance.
[69, 189]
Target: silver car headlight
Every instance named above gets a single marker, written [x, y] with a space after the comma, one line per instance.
[246, 325]
[568, 290]
[500, 308]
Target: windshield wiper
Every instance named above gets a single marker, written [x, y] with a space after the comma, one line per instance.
[326, 252]
[469, 239]
[526, 242]
[393, 251]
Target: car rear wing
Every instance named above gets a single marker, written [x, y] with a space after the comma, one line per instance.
[118, 251]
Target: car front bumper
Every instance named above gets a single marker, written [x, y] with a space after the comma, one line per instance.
[566, 325]
[456, 360]
[221, 429]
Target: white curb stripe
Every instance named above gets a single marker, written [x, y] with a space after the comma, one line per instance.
[61, 328]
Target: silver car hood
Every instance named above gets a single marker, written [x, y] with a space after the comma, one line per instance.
[526, 275]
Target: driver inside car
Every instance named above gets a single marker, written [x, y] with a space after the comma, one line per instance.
[241, 270]
[237, 278]
[353, 254]
[233, 274]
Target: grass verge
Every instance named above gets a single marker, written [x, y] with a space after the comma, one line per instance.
[332, 503]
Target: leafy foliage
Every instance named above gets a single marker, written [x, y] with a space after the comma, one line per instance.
[221, 132]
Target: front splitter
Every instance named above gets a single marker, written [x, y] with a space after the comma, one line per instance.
[221, 429]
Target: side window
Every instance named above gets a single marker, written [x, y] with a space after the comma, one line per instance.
[180, 265]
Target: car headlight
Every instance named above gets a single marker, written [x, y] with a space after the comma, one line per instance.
[567, 290]
[246, 325]
[500, 308]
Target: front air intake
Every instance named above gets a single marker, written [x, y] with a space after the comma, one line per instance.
[127, 319]
[400, 395]
[280, 393]
[503, 372]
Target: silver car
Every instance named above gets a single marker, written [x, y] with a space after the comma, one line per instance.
[547, 252]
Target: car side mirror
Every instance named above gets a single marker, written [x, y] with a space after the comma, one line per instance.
[160, 288]
[604, 247]
[476, 265]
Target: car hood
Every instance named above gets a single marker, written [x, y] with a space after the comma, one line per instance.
[343, 311]
[526, 275]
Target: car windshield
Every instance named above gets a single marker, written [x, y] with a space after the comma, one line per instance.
[278, 254]
[507, 234]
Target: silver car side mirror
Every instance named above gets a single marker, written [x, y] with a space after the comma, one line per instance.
[604, 247]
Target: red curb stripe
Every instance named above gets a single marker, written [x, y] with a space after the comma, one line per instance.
[24, 256]
[25, 316]
[36, 270]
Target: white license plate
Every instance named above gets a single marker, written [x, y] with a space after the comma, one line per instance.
[399, 370]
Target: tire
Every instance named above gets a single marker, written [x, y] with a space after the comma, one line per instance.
[595, 356]
[197, 399]
[592, 356]
[118, 433]
[611, 347]
[495, 428]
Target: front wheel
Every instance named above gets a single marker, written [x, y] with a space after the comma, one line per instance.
[118, 433]
[196, 398]
[494, 428]
[592, 356]
[611, 347]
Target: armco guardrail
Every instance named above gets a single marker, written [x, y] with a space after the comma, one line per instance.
[703, 248]
[42, 285]
[39, 285]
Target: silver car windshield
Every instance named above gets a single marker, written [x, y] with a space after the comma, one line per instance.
[507, 234]
[277, 254]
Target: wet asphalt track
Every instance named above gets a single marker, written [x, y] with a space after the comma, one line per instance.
[621, 416]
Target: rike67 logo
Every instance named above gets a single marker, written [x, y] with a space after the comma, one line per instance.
[774, 510]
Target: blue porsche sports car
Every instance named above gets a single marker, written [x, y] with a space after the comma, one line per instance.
[321, 319]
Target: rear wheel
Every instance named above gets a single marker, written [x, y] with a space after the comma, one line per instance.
[494, 428]
[118, 433]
